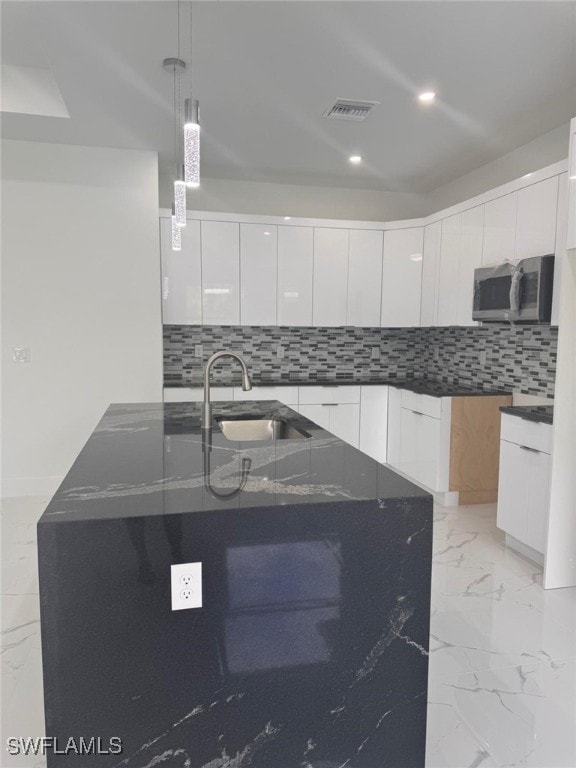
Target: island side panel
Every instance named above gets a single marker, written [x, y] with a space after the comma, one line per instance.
[311, 645]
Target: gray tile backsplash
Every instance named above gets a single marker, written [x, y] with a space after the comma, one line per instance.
[522, 358]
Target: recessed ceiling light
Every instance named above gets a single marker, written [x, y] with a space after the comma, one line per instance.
[426, 96]
[573, 177]
[526, 175]
[416, 257]
[266, 233]
[287, 218]
[355, 159]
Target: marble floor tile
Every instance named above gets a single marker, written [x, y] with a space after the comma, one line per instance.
[517, 716]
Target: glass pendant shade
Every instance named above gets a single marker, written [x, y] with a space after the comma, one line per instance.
[191, 143]
[176, 233]
[180, 200]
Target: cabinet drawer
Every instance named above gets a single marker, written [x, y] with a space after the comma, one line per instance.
[532, 434]
[333, 395]
[286, 395]
[196, 394]
[430, 406]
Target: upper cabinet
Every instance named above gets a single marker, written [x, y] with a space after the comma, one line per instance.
[258, 274]
[402, 277]
[450, 253]
[330, 276]
[430, 274]
[220, 273]
[181, 275]
[471, 242]
[571, 236]
[289, 274]
[500, 229]
[295, 270]
[536, 219]
[364, 277]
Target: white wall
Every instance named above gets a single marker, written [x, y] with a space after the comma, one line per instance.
[545, 150]
[81, 288]
[222, 195]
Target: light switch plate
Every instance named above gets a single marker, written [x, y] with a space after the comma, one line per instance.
[186, 586]
[21, 354]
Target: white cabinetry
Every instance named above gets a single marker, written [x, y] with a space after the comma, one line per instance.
[181, 275]
[374, 421]
[330, 276]
[560, 246]
[571, 237]
[449, 270]
[334, 408]
[430, 274]
[470, 259]
[524, 485]
[499, 229]
[419, 437]
[402, 278]
[364, 278]
[286, 395]
[295, 269]
[536, 219]
[220, 273]
[258, 274]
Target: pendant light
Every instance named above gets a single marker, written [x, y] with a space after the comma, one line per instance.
[176, 232]
[191, 131]
[180, 198]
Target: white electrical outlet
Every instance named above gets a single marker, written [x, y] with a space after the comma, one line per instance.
[186, 586]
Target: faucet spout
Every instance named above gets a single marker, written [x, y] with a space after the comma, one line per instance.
[246, 383]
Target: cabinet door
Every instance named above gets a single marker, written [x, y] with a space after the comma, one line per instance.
[330, 276]
[319, 414]
[295, 269]
[449, 270]
[220, 273]
[539, 502]
[402, 278]
[181, 275]
[430, 274]
[345, 422]
[420, 447]
[499, 229]
[374, 422]
[394, 425]
[364, 278]
[513, 490]
[560, 246]
[536, 219]
[258, 274]
[470, 258]
[571, 236]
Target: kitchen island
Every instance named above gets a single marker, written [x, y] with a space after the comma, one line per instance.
[311, 646]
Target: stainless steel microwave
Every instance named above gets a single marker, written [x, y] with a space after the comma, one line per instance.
[518, 292]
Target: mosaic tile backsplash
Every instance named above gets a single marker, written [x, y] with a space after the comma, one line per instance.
[522, 358]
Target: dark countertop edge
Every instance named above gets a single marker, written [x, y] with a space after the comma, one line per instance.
[432, 389]
[543, 414]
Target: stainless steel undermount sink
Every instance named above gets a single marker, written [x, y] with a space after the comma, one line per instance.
[256, 428]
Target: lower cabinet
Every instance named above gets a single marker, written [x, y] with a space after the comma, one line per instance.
[524, 487]
[374, 422]
[420, 449]
[342, 419]
[448, 444]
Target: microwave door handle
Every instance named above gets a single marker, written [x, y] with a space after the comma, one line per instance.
[516, 290]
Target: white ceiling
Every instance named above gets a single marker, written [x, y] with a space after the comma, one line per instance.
[265, 72]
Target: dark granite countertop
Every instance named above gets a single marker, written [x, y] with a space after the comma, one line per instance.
[311, 644]
[540, 413]
[421, 386]
[150, 458]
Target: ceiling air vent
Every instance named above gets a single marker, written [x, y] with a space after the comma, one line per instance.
[349, 109]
